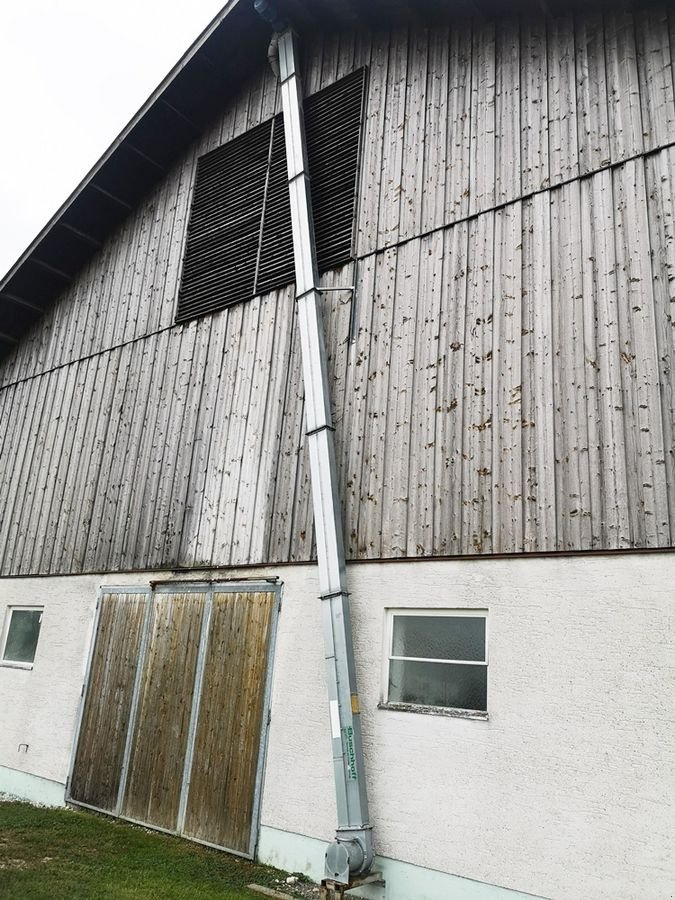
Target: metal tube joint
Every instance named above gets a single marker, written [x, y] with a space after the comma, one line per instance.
[350, 854]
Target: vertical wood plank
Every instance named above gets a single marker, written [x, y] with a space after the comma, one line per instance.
[301, 536]
[330, 59]
[166, 274]
[438, 123]
[31, 491]
[160, 734]
[167, 541]
[539, 476]
[134, 532]
[141, 316]
[16, 495]
[458, 157]
[592, 112]
[120, 494]
[58, 553]
[534, 104]
[373, 147]
[338, 309]
[105, 717]
[102, 435]
[246, 521]
[156, 484]
[413, 183]
[660, 175]
[125, 311]
[625, 116]
[351, 431]
[607, 455]
[103, 490]
[205, 545]
[347, 60]
[562, 104]
[508, 163]
[203, 457]
[273, 426]
[449, 441]
[220, 802]
[44, 518]
[312, 75]
[233, 449]
[280, 541]
[483, 80]
[392, 141]
[507, 385]
[424, 399]
[376, 433]
[571, 437]
[591, 342]
[647, 493]
[655, 71]
[477, 408]
[397, 414]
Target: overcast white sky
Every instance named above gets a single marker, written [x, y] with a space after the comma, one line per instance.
[72, 74]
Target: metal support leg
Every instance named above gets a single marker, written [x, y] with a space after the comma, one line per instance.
[331, 890]
[335, 890]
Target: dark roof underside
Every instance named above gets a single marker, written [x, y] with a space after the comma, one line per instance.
[228, 52]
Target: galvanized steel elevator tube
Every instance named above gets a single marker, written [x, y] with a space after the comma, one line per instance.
[352, 852]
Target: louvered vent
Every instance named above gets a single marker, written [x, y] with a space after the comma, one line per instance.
[224, 230]
[333, 128]
[239, 238]
[276, 247]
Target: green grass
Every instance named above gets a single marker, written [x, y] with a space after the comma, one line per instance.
[62, 854]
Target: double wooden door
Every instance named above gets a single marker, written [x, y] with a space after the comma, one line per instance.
[173, 724]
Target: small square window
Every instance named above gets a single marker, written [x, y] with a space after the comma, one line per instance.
[22, 630]
[437, 658]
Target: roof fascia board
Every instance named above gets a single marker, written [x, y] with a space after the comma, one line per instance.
[119, 140]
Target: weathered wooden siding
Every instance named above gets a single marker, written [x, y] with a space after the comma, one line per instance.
[221, 798]
[160, 738]
[502, 380]
[103, 732]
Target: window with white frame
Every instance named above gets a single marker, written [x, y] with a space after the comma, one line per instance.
[20, 635]
[437, 658]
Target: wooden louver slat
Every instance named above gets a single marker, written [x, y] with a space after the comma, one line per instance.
[276, 266]
[239, 237]
[333, 128]
[223, 233]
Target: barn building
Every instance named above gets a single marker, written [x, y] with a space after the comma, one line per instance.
[425, 444]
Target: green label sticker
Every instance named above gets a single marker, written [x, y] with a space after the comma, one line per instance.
[351, 755]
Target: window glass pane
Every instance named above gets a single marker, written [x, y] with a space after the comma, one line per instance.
[22, 636]
[438, 684]
[440, 637]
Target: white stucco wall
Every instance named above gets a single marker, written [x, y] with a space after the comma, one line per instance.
[38, 705]
[566, 792]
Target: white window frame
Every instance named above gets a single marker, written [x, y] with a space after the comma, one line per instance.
[390, 614]
[9, 612]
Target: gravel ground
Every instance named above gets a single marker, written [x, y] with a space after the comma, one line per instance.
[299, 888]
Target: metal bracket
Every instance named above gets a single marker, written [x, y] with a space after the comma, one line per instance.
[334, 594]
[333, 890]
[319, 429]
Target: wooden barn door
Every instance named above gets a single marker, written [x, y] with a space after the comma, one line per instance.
[173, 724]
[113, 671]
